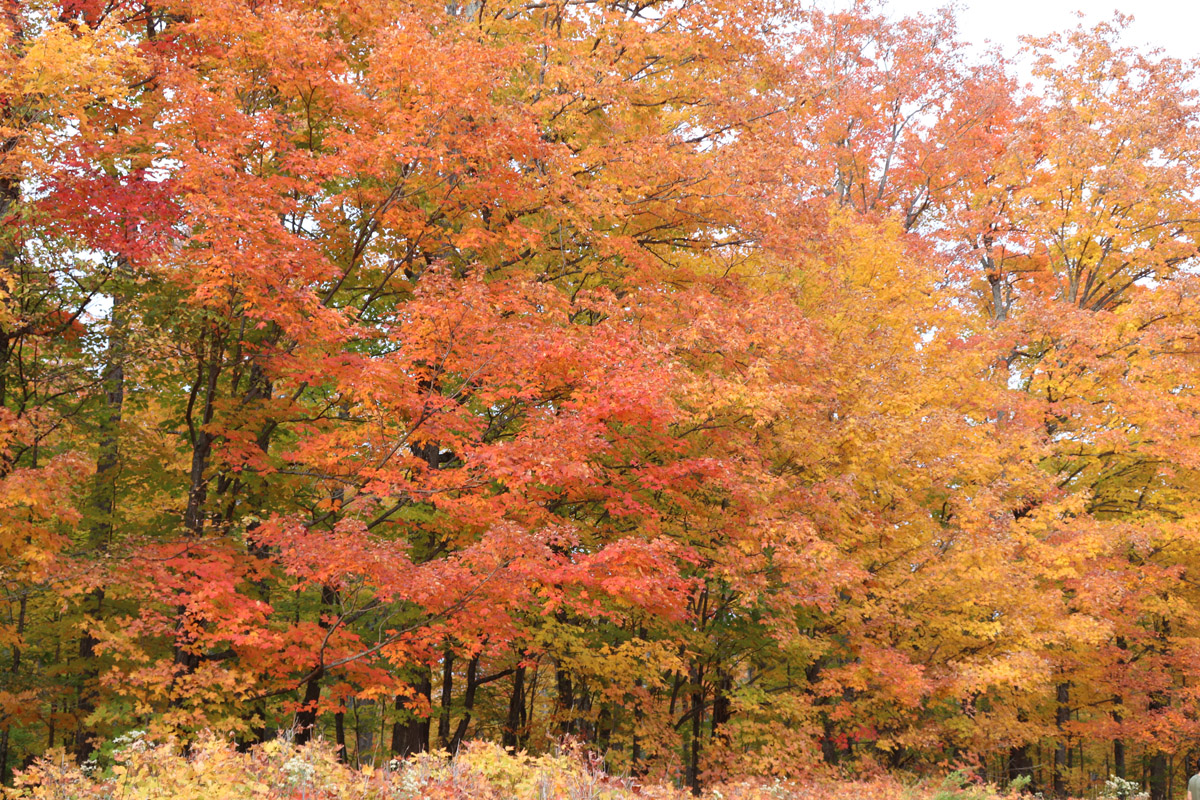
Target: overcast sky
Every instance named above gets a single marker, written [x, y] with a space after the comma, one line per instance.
[1173, 25]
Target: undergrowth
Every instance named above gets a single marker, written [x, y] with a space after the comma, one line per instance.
[214, 769]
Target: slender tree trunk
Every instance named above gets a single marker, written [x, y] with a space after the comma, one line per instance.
[1119, 742]
[4, 735]
[721, 712]
[306, 717]
[636, 754]
[364, 736]
[10, 197]
[531, 695]
[468, 705]
[1118, 748]
[193, 517]
[10, 246]
[447, 698]
[103, 507]
[605, 722]
[583, 705]
[1159, 700]
[697, 712]
[186, 656]
[1062, 716]
[514, 726]
[829, 748]
[14, 670]
[1158, 758]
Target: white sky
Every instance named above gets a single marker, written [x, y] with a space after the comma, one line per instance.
[1173, 25]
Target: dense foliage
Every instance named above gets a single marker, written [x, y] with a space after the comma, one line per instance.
[277, 770]
[736, 388]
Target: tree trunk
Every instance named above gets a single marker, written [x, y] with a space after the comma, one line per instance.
[1020, 763]
[721, 706]
[447, 698]
[514, 726]
[411, 735]
[209, 371]
[339, 732]
[565, 704]
[306, 717]
[692, 777]
[1159, 700]
[1158, 776]
[1062, 716]
[14, 669]
[1118, 748]
[103, 503]
[468, 705]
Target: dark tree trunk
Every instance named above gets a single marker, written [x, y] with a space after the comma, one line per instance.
[447, 698]
[103, 504]
[306, 717]
[186, 656]
[829, 749]
[1158, 758]
[1062, 716]
[1159, 700]
[14, 669]
[565, 704]
[468, 705]
[1119, 742]
[636, 754]
[721, 707]
[410, 734]
[514, 727]
[605, 722]
[1020, 763]
[339, 733]
[1118, 747]
[202, 444]
[1158, 776]
[692, 777]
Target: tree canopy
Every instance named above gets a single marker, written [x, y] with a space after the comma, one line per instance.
[733, 386]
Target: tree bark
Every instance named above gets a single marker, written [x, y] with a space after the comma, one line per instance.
[468, 705]
[1118, 748]
[514, 727]
[692, 777]
[1020, 763]
[411, 735]
[1062, 716]
[339, 733]
[565, 704]
[306, 717]
[447, 698]
[103, 507]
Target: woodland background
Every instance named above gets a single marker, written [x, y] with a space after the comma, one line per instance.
[732, 387]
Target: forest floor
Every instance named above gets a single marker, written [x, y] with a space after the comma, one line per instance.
[215, 770]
